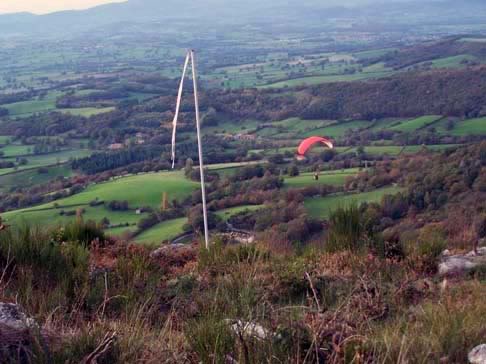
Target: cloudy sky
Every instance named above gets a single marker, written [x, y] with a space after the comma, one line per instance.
[47, 6]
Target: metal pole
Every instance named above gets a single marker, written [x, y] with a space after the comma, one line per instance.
[178, 107]
[199, 146]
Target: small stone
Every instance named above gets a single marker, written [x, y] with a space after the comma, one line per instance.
[458, 264]
[455, 265]
[478, 355]
[12, 316]
[170, 248]
[249, 329]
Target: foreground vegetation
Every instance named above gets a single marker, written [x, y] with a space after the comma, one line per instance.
[253, 304]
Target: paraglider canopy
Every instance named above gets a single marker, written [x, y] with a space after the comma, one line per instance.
[308, 143]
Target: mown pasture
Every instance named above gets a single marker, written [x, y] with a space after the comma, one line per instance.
[334, 178]
[5, 139]
[321, 207]
[416, 124]
[44, 160]
[32, 177]
[14, 150]
[166, 230]
[337, 130]
[139, 191]
[170, 229]
[86, 111]
[469, 127]
[27, 108]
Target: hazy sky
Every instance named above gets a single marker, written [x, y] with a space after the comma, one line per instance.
[47, 6]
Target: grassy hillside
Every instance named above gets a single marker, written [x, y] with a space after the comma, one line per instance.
[338, 129]
[27, 108]
[139, 191]
[164, 231]
[335, 178]
[415, 124]
[470, 127]
[43, 160]
[86, 111]
[322, 207]
[33, 177]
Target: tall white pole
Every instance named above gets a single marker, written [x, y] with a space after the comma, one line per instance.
[199, 146]
[178, 107]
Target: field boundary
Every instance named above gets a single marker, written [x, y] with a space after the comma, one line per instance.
[432, 123]
[34, 168]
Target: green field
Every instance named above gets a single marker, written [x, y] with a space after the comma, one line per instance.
[4, 139]
[316, 80]
[337, 130]
[170, 229]
[87, 111]
[47, 215]
[139, 191]
[164, 231]
[48, 103]
[391, 150]
[473, 40]
[334, 178]
[416, 124]
[453, 62]
[235, 165]
[411, 149]
[32, 177]
[44, 160]
[13, 150]
[321, 207]
[232, 127]
[386, 123]
[27, 108]
[227, 213]
[119, 231]
[469, 127]
[373, 53]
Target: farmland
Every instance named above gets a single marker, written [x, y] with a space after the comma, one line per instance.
[14, 150]
[43, 160]
[86, 111]
[335, 178]
[321, 207]
[416, 124]
[32, 177]
[27, 108]
[315, 80]
[227, 213]
[164, 231]
[125, 188]
[469, 127]
[339, 129]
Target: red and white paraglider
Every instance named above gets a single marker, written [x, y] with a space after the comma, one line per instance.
[308, 143]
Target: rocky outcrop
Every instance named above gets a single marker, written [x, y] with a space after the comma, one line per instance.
[235, 237]
[19, 334]
[478, 355]
[459, 264]
[16, 339]
[169, 249]
[13, 317]
[248, 329]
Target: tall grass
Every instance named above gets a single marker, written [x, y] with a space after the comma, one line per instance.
[311, 308]
[41, 262]
[346, 231]
[435, 332]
